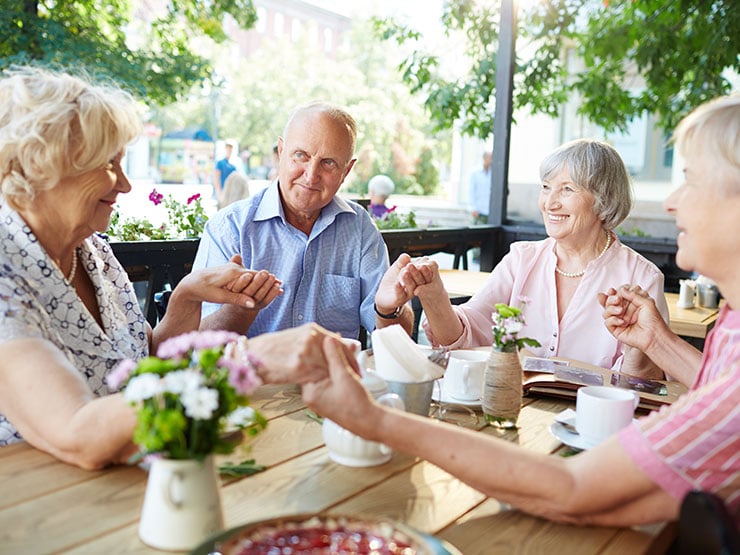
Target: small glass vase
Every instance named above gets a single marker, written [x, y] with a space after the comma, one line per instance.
[502, 389]
[182, 504]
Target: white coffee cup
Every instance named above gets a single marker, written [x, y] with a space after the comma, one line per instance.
[463, 377]
[602, 411]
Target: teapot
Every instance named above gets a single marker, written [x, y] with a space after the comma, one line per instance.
[349, 449]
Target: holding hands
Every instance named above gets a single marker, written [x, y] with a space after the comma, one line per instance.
[406, 279]
[230, 283]
[295, 355]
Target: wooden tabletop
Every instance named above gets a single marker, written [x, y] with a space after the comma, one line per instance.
[690, 322]
[693, 322]
[47, 506]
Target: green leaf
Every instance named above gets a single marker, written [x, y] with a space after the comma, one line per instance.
[244, 468]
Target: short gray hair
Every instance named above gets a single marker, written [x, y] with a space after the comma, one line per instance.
[713, 129]
[597, 167]
[55, 125]
[381, 185]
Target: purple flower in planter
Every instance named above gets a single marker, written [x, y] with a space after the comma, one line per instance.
[195, 197]
[156, 197]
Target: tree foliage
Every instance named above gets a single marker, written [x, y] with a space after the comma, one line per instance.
[259, 93]
[157, 61]
[659, 56]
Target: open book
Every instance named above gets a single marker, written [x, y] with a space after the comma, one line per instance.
[560, 377]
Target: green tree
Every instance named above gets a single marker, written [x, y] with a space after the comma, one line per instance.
[392, 126]
[153, 55]
[661, 56]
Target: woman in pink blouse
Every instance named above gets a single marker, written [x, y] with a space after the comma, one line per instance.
[586, 193]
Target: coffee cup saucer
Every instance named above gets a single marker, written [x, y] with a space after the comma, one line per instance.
[571, 439]
[563, 428]
[447, 398]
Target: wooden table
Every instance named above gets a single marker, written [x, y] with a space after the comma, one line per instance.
[47, 506]
[692, 322]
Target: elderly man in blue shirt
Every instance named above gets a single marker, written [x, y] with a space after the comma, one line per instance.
[318, 258]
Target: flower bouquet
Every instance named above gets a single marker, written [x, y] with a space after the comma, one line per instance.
[502, 389]
[187, 396]
[508, 321]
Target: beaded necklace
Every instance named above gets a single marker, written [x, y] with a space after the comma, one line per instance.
[73, 271]
[579, 274]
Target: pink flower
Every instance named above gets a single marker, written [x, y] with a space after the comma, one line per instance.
[195, 197]
[242, 374]
[120, 374]
[156, 197]
[178, 347]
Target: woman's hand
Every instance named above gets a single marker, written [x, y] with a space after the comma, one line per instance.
[339, 395]
[631, 316]
[261, 286]
[294, 355]
[230, 283]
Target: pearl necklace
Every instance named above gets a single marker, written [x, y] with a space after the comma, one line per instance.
[73, 271]
[579, 274]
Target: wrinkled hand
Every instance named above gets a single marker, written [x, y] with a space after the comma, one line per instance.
[404, 280]
[261, 286]
[631, 316]
[294, 355]
[225, 284]
[339, 395]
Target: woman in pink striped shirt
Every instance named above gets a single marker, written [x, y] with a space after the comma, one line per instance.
[642, 474]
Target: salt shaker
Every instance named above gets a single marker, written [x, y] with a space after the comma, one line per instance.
[686, 294]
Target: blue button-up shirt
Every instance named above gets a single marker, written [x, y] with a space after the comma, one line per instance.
[329, 277]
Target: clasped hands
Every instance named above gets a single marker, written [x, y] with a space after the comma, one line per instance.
[232, 283]
[408, 278]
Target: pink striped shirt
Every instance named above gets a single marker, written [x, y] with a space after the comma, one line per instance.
[694, 444]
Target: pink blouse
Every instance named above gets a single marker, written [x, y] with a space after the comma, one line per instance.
[528, 270]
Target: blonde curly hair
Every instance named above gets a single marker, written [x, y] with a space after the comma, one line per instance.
[55, 125]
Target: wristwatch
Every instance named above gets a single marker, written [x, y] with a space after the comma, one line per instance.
[392, 316]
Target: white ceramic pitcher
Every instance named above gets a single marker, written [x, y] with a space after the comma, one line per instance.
[182, 505]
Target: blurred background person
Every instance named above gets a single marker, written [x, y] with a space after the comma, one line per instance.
[480, 191]
[379, 188]
[236, 188]
[275, 163]
[224, 168]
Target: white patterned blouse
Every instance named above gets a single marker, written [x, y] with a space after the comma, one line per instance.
[36, 301]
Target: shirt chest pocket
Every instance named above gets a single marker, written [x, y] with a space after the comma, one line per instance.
[342, 293]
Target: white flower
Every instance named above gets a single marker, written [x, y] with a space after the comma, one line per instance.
[240, 418]
[513, 327]
[144, 386]
[180, 381]
[200, 403]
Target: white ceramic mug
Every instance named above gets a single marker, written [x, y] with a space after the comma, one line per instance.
[463, 377]
[601, 411]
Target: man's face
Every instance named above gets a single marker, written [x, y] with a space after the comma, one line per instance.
[315, 157]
